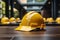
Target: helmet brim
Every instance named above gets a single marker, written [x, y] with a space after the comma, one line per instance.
[24, 28]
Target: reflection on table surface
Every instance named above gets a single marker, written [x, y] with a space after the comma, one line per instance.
[8, 33]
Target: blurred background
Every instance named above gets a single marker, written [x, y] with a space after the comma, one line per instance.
[18, 8]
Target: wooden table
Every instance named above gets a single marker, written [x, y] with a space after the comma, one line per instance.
[8, 33]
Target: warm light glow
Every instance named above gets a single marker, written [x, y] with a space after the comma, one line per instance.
[23, 1]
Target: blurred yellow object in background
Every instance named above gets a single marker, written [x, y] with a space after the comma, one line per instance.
[18, 20]
[5, 20]
[58, 20]
[50, 20]
[31, 21]
[45, 20]
[12, 20]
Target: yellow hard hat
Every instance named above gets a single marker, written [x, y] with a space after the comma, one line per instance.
[12, 20]
[18, 20]
[31, 21]
[50, 20]
[45, 20]
[5, 20]
[58, 20]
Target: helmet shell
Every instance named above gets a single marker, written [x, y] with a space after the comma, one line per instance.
[31, 20]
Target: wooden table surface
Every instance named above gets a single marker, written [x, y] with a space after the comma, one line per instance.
[8, 33]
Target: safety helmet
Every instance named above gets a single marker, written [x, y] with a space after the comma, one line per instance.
[58, 20]
[50, 20]
[45, 20]
[31, 21]
[12, 20]
[5, 20]
[18, 20]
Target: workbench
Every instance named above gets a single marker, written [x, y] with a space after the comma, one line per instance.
[8, 33]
